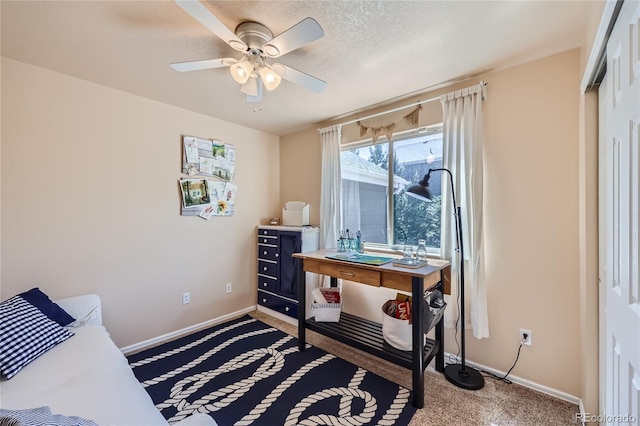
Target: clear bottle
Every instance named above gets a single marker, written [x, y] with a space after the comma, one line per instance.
[421, 251]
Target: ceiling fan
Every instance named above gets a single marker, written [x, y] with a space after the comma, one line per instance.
[257, 44]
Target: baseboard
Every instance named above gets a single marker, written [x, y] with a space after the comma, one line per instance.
[523, 382]
[137, 347]
[582, 411]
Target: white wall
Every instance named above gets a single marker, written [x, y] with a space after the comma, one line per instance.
[91, 204]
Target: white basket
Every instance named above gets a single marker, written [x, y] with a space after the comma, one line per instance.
[399, 333]
[395, 331]
[327, 312]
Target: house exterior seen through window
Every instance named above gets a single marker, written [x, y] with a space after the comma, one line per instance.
[389, 217]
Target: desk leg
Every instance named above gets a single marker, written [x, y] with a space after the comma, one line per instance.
[302, 305]
[418, 341]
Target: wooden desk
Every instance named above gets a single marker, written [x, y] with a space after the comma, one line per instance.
[367, 335]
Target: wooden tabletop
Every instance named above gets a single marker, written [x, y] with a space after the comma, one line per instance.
[387, 275]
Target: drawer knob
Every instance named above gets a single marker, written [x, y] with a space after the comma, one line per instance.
[264, 284]
[264, 300]
[286, 308]
[264, 232]
[265, 268]
[264, 252]
[277, 254]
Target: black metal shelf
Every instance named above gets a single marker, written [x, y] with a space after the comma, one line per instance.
[367, 336]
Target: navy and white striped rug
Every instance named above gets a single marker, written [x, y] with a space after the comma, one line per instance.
[246, 372]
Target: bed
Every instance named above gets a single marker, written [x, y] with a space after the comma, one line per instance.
[85, 375]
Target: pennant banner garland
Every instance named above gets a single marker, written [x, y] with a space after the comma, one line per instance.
[376, 131]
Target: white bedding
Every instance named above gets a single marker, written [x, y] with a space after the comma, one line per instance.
[85, 376]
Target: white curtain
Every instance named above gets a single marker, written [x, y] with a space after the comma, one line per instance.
[330, 191]
[462, 155]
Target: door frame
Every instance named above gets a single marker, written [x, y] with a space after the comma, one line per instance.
[591, 291]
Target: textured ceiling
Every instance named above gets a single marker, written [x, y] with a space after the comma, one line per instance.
[372, 52]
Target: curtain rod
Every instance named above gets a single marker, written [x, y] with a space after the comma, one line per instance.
[437, 98]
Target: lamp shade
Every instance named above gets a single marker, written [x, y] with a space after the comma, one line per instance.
[270, 79]
[250, 87]
[241, 71]
[421, 189]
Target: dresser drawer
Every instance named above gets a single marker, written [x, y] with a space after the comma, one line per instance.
[267, 283]
[343, 271]
[273, 241]
[267, 268]
[268, 252]
[267, 232]
[279, 304]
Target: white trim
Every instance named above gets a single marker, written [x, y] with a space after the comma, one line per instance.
[598, 50]
[582, 411]
[523, 382]
[136, 347]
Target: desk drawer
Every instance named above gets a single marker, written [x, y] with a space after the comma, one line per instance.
[405, 282]
[345, 272]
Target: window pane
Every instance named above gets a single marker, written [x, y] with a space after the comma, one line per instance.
[416, 219]
[366, 173]
[365, 179]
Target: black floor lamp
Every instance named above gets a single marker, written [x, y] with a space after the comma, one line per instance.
[458, 374]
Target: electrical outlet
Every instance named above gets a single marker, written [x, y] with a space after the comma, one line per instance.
[186, 298]
[525, 337]
[228, 289]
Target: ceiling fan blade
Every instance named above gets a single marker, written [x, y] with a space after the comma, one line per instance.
[303, 32]
[203, 65]
[300, 78]
[198, 11]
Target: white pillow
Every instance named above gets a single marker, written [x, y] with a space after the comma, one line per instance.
[86, 309]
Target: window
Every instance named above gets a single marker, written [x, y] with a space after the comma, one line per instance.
[390, 217]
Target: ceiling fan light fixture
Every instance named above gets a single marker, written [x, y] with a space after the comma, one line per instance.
[257, 43]
[241, 71]
[250, 87]
[270, 79]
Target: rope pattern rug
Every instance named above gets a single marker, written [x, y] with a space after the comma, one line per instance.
[245, 372]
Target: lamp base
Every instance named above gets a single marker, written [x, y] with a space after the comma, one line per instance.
[468, 378]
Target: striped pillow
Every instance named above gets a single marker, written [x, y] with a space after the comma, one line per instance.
[25, 334]
[40, 416]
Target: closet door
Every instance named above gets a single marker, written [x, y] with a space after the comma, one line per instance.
[620, 300]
